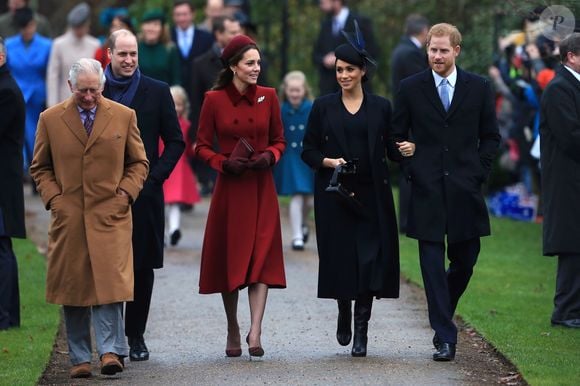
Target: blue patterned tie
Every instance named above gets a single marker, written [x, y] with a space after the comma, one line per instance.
[444, 93]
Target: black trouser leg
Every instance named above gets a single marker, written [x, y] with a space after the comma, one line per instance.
[137, 311]
[343, 331]
[462, 258]
[432, 259]
[362, 315]
[9, 292]
[404, 199]
[567, 296]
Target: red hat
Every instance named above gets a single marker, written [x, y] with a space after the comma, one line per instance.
[235, 46]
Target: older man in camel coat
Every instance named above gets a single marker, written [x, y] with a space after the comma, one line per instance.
[89, 165]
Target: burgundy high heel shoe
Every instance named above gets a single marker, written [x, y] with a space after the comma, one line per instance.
[254, 351]
[233, 352]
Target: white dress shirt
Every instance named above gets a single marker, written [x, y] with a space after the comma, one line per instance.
[451, 81]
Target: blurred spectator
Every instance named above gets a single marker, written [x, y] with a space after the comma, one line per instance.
[119, 19]
[28, 61]
[206, 69]
[338, 17]
[213, 9]
[11, 195]
[233, 6]
[180, 189]
[9, 27]
[191, 41]
[67, 49]
[408, 58]
[158, 57]
[560, 157]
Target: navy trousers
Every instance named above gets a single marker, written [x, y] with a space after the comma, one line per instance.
[444, 288]
[9, 293]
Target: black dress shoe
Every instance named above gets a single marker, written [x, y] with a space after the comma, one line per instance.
[445, 353]
[175, 237]
[436, 342]
[137, 349]
[343, 331]
[570, 323]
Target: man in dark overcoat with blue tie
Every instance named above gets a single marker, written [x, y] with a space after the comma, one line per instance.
[450, 116]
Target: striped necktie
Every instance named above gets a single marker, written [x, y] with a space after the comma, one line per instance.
[88, 121]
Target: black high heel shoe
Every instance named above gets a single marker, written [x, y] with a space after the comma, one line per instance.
[257, 351]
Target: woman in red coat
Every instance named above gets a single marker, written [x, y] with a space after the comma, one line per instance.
[243, 243]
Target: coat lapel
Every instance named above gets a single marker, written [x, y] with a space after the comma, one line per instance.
[335, 112]
[430, 91]
[460, 93]
[102, 118]
[373, 124]
[140, 95]
[72, 119]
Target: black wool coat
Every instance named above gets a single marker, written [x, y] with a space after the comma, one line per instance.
[560, 160]
[12, 111]
[157, 120]
[335, 224]
[453, 156]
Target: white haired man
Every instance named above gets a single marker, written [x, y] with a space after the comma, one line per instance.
[89, 165]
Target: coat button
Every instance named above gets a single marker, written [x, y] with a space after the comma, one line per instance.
[251, 120]
[301, 127]
[292, 127]
[446, 173]
[384, 159]
[326, 137]
[294, 144]
[385, 181]
[235, 121]
[445, 148]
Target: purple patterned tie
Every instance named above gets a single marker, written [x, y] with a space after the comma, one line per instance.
[88, 122]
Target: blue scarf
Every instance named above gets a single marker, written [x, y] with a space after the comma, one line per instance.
[122, 89]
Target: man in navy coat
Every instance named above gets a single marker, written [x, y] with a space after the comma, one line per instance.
[157, 120]
[191, 42]
[450, 116]
[560, 159]
[11, 195]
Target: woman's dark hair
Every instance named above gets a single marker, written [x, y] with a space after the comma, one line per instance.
[23, 16]
[226, 75]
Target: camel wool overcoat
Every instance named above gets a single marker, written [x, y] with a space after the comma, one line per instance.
[90, 257]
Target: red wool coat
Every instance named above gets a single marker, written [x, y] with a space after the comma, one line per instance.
[243, 242]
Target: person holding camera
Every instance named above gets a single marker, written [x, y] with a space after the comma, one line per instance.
[356, 228]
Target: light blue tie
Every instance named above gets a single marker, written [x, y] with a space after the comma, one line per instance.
[444, 90]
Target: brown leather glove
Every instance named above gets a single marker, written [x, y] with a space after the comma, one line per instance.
[235, 166]
[262, 160]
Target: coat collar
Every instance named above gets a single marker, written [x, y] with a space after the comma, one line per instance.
[430, 91]
[566, 74]
[236, 97]
[72, 119]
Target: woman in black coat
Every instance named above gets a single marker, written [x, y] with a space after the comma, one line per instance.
[358, 247]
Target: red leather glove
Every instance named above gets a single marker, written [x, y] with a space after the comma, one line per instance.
[262, 160]
[235, 166]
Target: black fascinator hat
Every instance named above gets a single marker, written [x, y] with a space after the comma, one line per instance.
[354, 51]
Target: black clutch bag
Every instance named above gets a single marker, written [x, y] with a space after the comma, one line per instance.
[337, 187]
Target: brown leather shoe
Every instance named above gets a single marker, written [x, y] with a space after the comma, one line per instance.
[82, 370]
[111, 364]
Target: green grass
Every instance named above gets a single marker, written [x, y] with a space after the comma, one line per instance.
[509, 301]
[24, 351]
